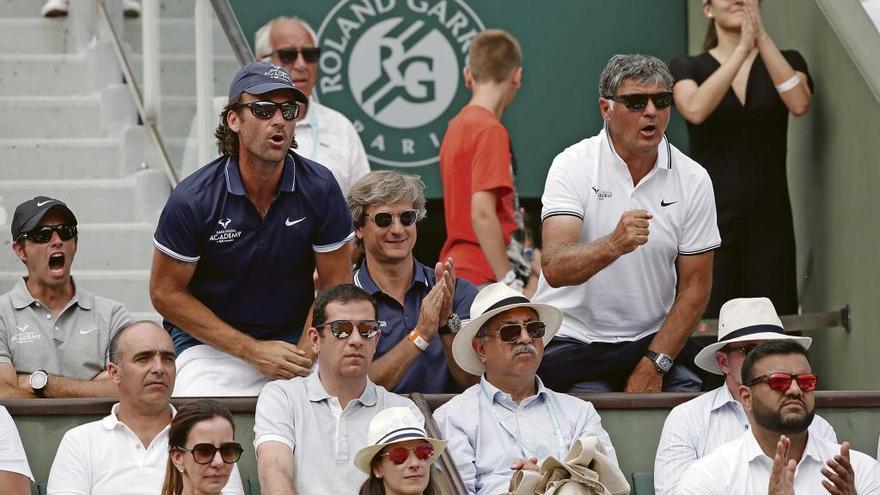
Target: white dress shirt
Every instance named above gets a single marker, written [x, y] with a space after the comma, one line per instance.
[487, 431]
[697, 427]
[329, 138]
[12, 456]
[106, 458]
[740, 467]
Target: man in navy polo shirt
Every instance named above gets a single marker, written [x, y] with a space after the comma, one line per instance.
[420, 308]
[238, 241]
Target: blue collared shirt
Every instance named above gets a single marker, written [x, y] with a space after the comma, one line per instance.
[254, 273]
[429, 373]
[483, 449]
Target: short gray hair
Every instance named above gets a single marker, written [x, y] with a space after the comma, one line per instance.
[385, 187]
[644, 69]
[263, 36]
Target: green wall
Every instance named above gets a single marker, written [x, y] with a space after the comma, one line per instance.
[833, 173]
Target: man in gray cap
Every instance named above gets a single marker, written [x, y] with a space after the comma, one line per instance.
[238, 241]
[53, 334]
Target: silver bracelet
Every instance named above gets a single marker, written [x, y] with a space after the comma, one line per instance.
[787, 85]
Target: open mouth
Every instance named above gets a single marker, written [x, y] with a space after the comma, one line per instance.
[277, 138]
[648, 130]
[56, 261]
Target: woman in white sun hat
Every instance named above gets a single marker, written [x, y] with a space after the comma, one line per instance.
[399, 455]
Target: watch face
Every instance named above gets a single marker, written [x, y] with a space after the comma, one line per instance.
[38, 380]
[454, 323]
[665, 362]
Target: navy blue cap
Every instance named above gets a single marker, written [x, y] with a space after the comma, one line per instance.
[258, 78]
[31, 212]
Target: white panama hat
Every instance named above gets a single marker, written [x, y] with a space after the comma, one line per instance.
[393, 425]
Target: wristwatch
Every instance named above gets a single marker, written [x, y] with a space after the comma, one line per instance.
[38, 381]
[662, 362]
[453, 325]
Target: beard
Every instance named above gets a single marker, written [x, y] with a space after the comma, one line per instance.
[774, 420]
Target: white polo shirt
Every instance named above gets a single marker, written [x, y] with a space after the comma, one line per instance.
[630, 298]
[106, 458]
[12, 456]
[329, 138]
[740, 467]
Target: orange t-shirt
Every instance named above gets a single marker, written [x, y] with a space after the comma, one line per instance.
[474, 156]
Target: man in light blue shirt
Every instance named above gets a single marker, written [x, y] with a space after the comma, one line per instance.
[509, 420]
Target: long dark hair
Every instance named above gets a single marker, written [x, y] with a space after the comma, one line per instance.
[375, 486]
[711, 39]
[187, 417]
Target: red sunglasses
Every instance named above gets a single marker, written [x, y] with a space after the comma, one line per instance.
[780, 382]
[399, 455]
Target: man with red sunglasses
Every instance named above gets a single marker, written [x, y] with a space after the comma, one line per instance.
[54, 333]
[699, 426]
[779, 455]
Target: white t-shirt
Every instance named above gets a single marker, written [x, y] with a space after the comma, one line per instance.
[106, 458]
[12, 456]
[740, 467]
[329, 138]
[630, 298]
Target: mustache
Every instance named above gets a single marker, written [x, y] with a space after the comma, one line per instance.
[530, 348]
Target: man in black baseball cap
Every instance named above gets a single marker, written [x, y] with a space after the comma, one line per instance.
[54, 334]
[238, 241]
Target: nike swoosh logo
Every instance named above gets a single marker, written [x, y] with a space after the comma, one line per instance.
[43, 203]
[289, 223]
[665, 204]
[83, 332]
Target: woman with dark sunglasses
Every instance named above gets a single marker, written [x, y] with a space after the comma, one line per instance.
[399, 457]
[736, 98]
[201, 449]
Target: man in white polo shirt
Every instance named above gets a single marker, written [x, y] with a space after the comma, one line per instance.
[15, 474]
[307, 430]
[623, 212]
[127, 451]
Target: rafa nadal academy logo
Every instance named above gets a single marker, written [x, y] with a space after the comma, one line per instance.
[394, 68]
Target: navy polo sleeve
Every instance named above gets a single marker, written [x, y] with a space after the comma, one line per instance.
[178, 234]
[465, 292]
[336, 227]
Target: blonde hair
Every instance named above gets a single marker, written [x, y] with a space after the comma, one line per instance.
[493, 55]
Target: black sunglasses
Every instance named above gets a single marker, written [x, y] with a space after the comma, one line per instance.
[385, 219]
[288, 55]
[203, 453]
[638, 101]
[510, 332]
[342, 329]
[42, 235]
[266, 109]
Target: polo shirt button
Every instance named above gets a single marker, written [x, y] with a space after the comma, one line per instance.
[56, 329]
[37, 304]
[48, 317]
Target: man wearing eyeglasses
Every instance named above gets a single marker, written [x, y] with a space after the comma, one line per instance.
[322, 134]
[696, 428]
[238, 241]
[629, 227]
[779, 455]
[127, 451]
[308, 430]
[510, 420]
[420, 307]
[53, 333]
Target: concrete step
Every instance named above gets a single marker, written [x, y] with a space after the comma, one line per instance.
[45, 75]
[92, 200]
[108, 246]
[20, 8]
[130, 287]
[178, 73]
[29, 159]
[50, 117]
[36, 35]
[176, 36]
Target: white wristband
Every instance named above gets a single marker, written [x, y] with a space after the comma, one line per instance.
[787, 85]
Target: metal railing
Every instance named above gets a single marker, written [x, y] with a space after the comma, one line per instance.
[793, 323]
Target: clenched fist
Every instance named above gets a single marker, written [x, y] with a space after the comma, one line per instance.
[631, 231]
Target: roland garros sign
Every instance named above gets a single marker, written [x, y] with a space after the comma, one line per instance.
[394, 68]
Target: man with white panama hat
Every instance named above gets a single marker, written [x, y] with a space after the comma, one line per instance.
[509, 420]
[697, 427]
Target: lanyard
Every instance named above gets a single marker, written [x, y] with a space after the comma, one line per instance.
[551, 411]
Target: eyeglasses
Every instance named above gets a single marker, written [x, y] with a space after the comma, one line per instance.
[384, 219]
[203, 453]
[746, 349]
[399, 455]
[341, 329]
[42, 235]
[265, 110]
[780, 382]
[288, 55]
[638, 101]
[510, 332]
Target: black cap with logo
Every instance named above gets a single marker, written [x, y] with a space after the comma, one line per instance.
[28, 214]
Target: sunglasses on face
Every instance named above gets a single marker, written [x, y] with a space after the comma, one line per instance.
[42, 235]
[745, 350]
[342, 329]
[384, 220]
[638, 101]
[780, 382]
[399, 455]
[288, 55]
[203, 453]
[265, 110]
[510, 332]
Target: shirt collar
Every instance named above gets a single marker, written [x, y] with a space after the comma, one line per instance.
[363, 279]
[21, 297]
[317, 393]
[492, 391]
[233, 176]
[311, 118]
[722, 398]
[664, 152]
[111, 421]
[753, 449]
